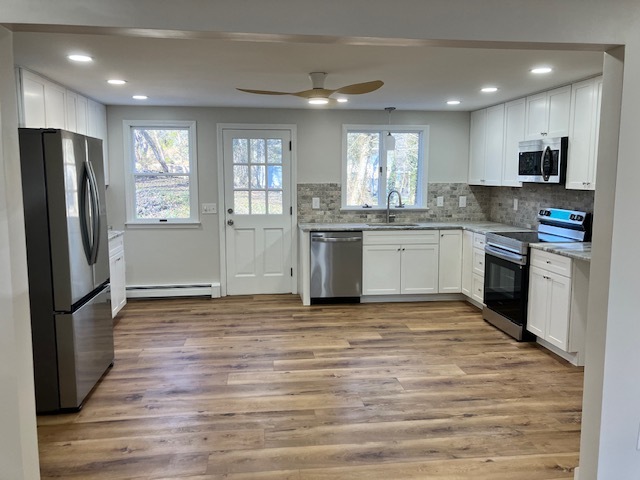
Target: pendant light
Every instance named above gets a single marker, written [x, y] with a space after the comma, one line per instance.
[389, 140]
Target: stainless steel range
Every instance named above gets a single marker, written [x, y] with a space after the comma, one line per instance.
[506, 280]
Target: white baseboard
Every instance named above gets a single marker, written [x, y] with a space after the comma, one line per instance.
[572, 358]
[160, 291]
[576, 473]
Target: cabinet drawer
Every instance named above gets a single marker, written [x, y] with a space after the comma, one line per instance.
[116, 245]
[551, 262]
[477, 288]
[478, 240]
[478, 262]
[403, 237]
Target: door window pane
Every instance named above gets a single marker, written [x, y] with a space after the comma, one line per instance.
[162, 197]
[274, 179]
[274, 150]
[258, 202]
[275, 202]
[240, 150]
[258, 150]
[241, 202]
[363, 161]
[257, 177]
[240, 176]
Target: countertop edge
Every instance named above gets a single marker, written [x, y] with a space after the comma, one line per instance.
[570, 250]
[475, 227]
[115, 234]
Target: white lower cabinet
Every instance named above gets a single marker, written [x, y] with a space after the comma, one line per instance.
[473, 266]
[117, 274]
[450, 261]
[558, 291]
[400, 262]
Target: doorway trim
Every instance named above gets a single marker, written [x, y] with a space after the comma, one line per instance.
[222, 241]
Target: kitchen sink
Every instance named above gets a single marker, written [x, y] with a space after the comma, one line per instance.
[393, 224]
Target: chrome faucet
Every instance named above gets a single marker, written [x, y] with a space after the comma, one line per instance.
[391, 218]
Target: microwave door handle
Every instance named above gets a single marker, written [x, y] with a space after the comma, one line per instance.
[546, 153]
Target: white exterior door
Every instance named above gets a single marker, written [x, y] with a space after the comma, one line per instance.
[257, 211]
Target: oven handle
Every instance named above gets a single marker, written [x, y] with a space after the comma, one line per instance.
[508, 256]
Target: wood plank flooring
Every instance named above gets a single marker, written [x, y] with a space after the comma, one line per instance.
[264, 388]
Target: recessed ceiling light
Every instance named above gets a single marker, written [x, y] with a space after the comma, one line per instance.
[342, 100]
[116, 81]
[453, 102]
[140, 97]
[489, 89]
[80, 58]
[540, 70]
[318, 101]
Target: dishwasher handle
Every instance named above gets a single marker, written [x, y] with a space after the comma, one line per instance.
[335, 239]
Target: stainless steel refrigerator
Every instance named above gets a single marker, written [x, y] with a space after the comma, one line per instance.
[68, 265]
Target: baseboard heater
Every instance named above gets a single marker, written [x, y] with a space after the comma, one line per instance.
[182, 290]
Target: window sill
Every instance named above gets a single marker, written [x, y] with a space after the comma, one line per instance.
[384, 209]
[143, 225]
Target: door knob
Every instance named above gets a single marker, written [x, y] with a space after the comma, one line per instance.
[230, 210]
[229, 222]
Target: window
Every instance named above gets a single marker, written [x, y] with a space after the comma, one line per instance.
[370, 172]
[161, 170]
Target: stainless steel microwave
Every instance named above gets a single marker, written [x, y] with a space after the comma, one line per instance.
[543, 161]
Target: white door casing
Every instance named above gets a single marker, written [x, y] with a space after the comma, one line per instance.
[257, 210]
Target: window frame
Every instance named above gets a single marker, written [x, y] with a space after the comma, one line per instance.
[423, 163]
[129, 160]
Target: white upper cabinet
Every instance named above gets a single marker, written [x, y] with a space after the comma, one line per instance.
[486, 146]
[514, 120]
[547, 114]
[583, 134]
[45, 104]
[32, 101]
[55, 105]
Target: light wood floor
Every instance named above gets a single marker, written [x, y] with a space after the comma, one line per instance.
[263, 388]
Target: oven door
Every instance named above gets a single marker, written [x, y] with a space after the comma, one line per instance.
[506, 284]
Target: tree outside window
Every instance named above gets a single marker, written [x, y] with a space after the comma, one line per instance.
[370, 171]
[162, 186]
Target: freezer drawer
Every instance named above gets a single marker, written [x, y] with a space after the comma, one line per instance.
[336, 264]
[85, 348]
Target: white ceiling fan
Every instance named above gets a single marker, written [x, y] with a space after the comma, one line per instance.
[318, 95]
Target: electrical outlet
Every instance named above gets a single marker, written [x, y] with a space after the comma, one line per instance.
[209, 208]
[515, 204]
[440, 201]
[462, 201]
[315, 203]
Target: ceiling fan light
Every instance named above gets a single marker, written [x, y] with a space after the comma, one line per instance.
[342, 100]
[318, 101]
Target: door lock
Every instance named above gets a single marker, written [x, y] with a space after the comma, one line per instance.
[230, 210]
[230, 222]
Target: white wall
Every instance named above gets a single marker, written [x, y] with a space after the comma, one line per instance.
[464, 22]
[159, 255]
[18, 440]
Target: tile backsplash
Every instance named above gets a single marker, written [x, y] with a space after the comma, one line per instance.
[483, 203]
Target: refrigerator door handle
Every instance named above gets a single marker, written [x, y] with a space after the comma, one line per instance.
[84, 229]
[95, 214]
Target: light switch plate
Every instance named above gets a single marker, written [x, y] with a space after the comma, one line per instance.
[209, 208]
[515, 204]
[315, 203]
[462, 201]
[440, 201]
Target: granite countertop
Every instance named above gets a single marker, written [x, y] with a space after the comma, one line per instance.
[476, 227]
[115, 233]
[577, 251]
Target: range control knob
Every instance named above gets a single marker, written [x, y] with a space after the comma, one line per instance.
[572, 217]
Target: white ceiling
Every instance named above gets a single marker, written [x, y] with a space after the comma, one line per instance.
[206, 71]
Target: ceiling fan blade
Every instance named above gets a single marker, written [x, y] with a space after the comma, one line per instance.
[314, 92]
[359, 88]
[264, 92]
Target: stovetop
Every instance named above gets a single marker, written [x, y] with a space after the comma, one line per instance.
[534, 237]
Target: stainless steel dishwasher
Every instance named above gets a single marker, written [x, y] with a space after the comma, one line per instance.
[336, 266]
